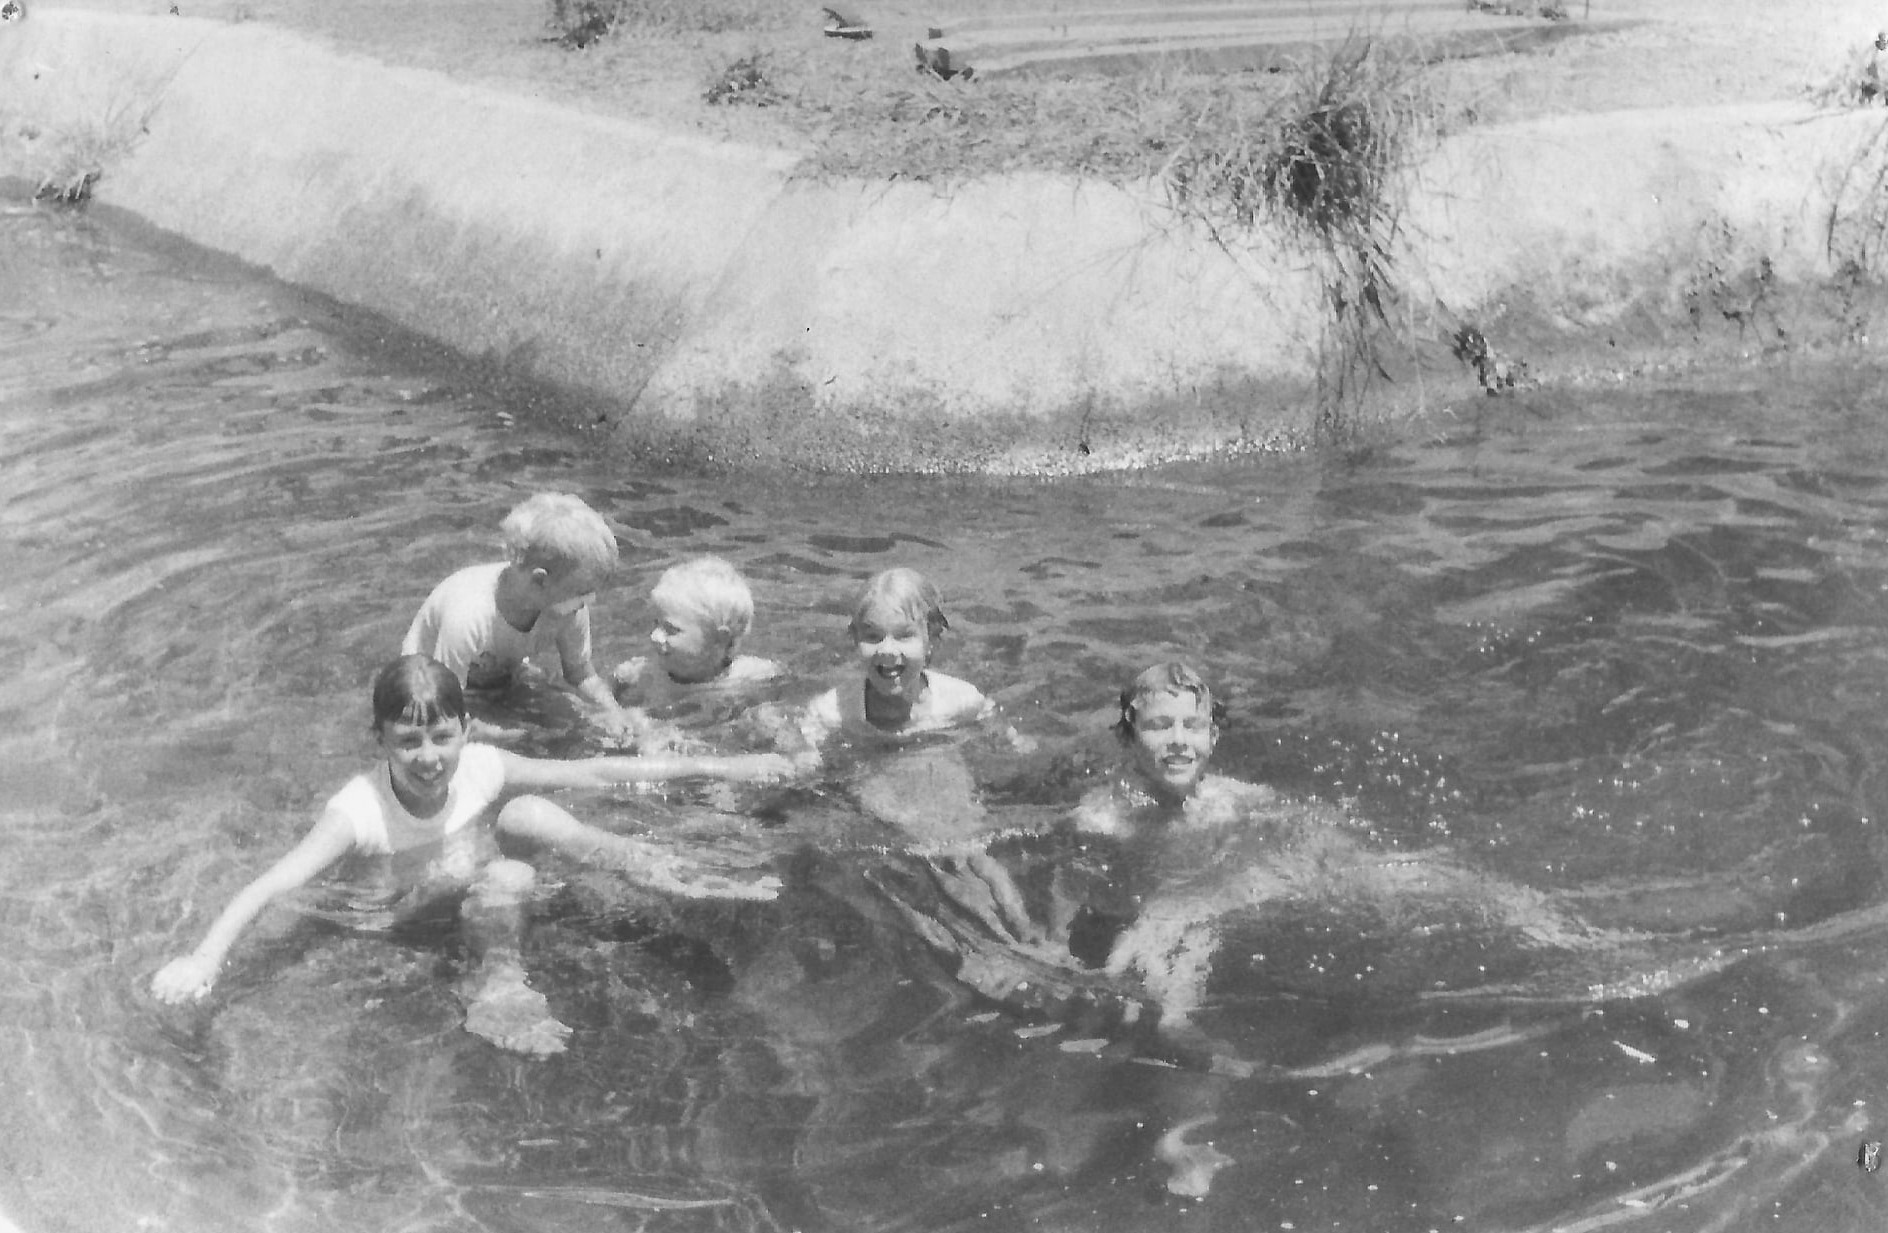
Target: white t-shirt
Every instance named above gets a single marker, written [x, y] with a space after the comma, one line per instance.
[459, 625]
[376, 814]
[946, 703]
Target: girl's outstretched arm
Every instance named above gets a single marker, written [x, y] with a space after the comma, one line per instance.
[191, 976]
[548, 774]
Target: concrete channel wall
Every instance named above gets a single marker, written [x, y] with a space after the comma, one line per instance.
[705, 294]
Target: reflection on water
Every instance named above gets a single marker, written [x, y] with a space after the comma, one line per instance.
[1621, 649]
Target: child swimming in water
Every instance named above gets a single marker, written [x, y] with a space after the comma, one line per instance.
[485, 622]
[1169, 727]
[1202, 845]
[703, 609]
[896, 623]
[1082, 917]
[927, 791]
[1100, 916]
[425, 808]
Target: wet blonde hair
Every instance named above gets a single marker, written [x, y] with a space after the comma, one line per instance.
[1172, 677]
[709, 588]
[903, 593]
[555, 530]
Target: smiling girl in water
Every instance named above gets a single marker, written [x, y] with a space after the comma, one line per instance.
[424, 812]
[895, 626]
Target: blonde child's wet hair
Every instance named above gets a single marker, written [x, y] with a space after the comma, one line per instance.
[902, 593]
[711, 589]
[555, 530]
[1172, 677]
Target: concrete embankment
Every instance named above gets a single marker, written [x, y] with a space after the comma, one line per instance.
[710, 299]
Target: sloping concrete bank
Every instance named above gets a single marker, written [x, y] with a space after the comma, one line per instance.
[1605, 244]
[720, 305]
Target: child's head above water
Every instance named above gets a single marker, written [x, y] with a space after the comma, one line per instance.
[417, 690]
[420, 722]
[901, 596]
[703, 607]
[709, 589]
[895, 626]
[558, 534]
[1168, 724]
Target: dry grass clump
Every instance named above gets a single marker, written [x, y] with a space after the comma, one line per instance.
[748, 81]
[67, 158]
[1320, 152]
[1323, 162]
[578, 23]
[1354, 122]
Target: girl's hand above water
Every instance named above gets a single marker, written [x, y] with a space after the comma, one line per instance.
[183, 979]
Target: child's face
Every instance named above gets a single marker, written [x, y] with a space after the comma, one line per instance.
[567, 589]
[894, 650]
[687, 647]
[1173, 741]
[422, 759]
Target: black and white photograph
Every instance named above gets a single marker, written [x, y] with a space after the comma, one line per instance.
[943, 616]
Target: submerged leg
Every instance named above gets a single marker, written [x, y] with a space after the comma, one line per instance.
[545, 824]
[1193, 1164]
[498, 1004]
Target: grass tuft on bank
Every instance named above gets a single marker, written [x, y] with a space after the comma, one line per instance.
[578, 23]
[66, 157]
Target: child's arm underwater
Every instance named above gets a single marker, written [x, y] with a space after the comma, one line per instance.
[797, 732]
[573, 653]
[993, 716]
[621, 722]
[539, 821]
[191, 976]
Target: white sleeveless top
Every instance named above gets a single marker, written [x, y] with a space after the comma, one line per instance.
[370, 806]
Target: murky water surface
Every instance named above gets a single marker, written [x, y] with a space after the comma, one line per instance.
[1623, 651]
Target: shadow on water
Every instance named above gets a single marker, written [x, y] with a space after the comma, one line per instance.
[1619, 652]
